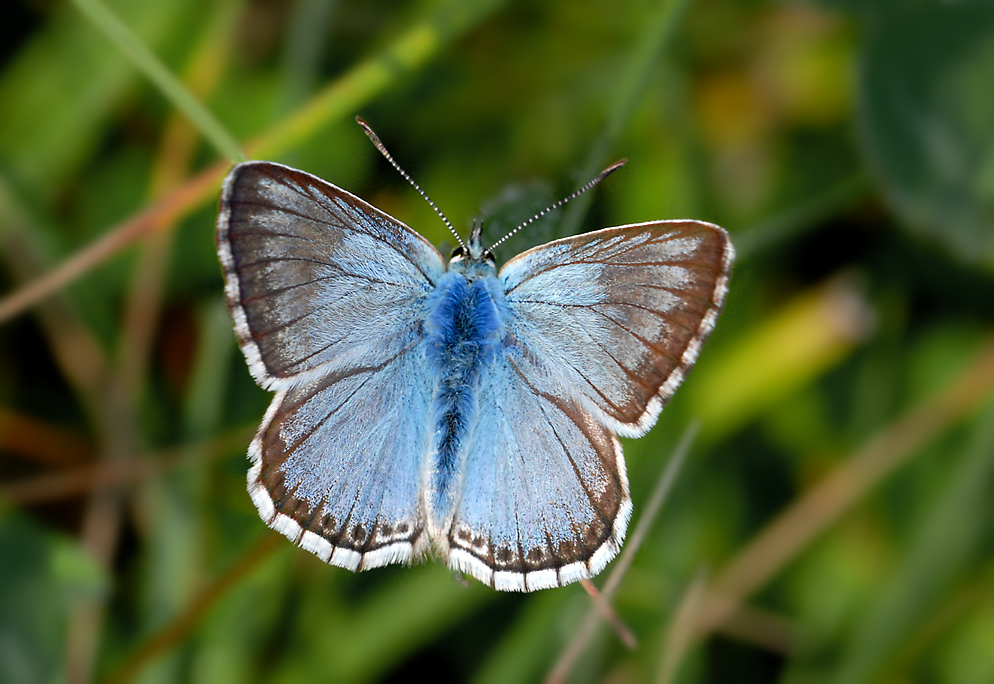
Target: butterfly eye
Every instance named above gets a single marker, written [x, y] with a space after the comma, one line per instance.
[457, 253]
[489, 256]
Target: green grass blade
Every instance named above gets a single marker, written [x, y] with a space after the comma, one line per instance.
[174, 90]
[345, 95]
[631, 85]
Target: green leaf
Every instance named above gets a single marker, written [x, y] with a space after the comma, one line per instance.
[926, 107]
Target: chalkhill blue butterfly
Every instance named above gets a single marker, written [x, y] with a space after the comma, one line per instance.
[426, 407]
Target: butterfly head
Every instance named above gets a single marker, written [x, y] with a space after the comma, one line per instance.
[472, 260]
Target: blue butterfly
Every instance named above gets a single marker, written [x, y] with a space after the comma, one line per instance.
[425, 407]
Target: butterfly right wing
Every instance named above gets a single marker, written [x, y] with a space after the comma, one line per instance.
[602, 327]
[328, 295]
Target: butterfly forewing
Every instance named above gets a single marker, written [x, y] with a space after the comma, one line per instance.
[314, 275]
[615, 318]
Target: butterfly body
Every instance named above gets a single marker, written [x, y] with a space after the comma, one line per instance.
[430, 407]
[464, 333]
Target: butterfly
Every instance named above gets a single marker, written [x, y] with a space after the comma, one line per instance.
[432, 407]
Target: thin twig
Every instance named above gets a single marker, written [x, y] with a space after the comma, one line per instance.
[104, 474]
[168, 84]
[609, 614]
[162, 214]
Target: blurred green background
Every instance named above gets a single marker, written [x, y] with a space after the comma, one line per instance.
[832, 521]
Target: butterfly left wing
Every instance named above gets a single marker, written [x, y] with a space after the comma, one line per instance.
[615, 318]
[328, 295]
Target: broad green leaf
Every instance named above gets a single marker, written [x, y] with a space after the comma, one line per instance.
[926, 108]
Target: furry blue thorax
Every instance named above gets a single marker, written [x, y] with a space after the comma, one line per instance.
[464, 331]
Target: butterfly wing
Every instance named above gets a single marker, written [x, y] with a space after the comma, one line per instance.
[615, 318]
[336, 464]
[314, 275]
[602, 329]
[545, 498]
[328, 297]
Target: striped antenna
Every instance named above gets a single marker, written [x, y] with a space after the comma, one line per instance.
[383, 150]
[600, 176]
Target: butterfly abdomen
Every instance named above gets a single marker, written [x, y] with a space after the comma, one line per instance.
[464, 332]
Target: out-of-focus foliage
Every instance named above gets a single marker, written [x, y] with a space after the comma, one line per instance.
[926, 113]
[838, 494]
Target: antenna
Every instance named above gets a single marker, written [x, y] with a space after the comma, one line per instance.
[383, 150]
[600, 176]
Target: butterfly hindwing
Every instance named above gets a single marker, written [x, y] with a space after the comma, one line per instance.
[544, 501]
[337, 462]
[315, 275]
[615, 318]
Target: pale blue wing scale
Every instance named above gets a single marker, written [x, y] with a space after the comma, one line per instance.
[615, 318]
[316, 278]
[544, 498]
[336, 464]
